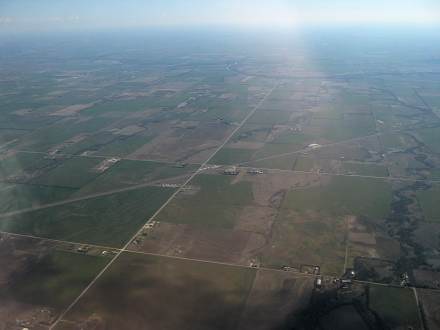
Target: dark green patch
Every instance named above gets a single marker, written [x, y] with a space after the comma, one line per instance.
[108, 220]
[344, 196]
[54, 279]
[217, 203]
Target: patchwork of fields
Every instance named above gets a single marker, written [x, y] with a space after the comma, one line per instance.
[180, 193]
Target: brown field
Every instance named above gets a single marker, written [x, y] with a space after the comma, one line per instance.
[39, 279]
[151, 292]
[72, 109]
[196, 143]
[276, 301]
[244, 243]
[430, 301]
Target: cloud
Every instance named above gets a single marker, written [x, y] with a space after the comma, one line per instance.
[51, 15]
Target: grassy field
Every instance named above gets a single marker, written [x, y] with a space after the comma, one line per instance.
[429, 200]
[108, 220]
[230, 156]
[123, 146]
[275, 149]
[14, 197]
[297, 140]
[124, 107]
[343, 318]
[127, 173]
[73, 173]
[45, 138]
[252, 133]
[217, 203]
[435, 174]
[270, 117]
[53, 279]
[395, 306]
[430, 136]
[90, 143]
[339, 130]
[343, 196]
[397, 141]
[430, 300]
[307, 239]
[20, 164]
[308, 163]
[136, 288]
[7, 136]
[368, 169]
[281, 163]
[276, 301]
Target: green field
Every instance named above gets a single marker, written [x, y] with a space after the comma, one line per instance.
[252, 133]
[281, 163]
[51, 136]
[126, 107]
[230, 156]
[7, 136]
[431, 137]
[53, 279]
[108, 220]
[339, 130]
[434, 174]
[71, 173]
[397, 141]
[128, 173]
[296, 140]
[310, 240]
[395, 306]
[216, 205]
[90, 143]
[14, 197]
[368, 169]
[124, 146]
[276, 149]
[108, 144]
[270, 117]
[22, 164]
[197, 296]
[304, 163]
[429, 201]
[343, 196]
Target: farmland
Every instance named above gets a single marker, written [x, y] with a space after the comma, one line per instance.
[40, 279]
[230, 185]
[206, 296]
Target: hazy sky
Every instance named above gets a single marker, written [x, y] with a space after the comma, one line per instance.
[56, 14]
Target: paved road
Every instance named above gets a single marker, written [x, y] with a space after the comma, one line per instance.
[392, 178]
[97, 157]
